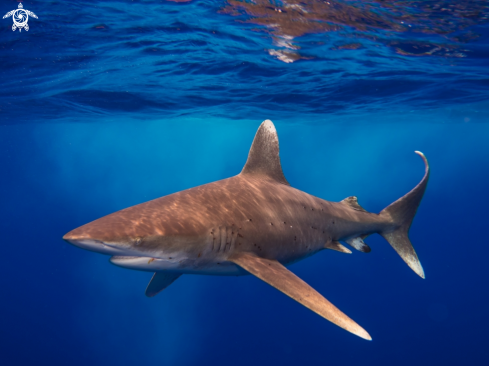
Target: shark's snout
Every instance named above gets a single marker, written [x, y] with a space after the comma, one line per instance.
[89, 243]
[72, 237]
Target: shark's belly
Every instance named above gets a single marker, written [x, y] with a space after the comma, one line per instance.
[219, 267]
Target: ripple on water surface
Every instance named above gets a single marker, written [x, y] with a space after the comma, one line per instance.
[241, 59]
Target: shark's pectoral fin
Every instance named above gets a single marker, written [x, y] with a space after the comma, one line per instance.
[159, 282]
[358, 244]
[336, 245]
[275, 274]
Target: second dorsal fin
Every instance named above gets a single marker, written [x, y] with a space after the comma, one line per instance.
[263, 159]
[353, 203]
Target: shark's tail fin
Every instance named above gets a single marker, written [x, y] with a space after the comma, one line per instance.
[401, 214]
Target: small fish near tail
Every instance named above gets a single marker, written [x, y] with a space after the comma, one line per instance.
[401, 214]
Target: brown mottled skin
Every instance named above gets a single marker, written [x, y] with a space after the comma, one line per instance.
[270, 219]
[253, 223]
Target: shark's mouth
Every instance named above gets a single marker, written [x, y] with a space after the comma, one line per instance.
[132, 262]
[123, 258]
[149, 264]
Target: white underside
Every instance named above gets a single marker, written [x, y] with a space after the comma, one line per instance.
[131, 258]
[178, 265]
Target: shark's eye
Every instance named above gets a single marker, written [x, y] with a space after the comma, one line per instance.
[138, 240]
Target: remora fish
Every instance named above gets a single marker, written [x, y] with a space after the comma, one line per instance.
[253, 223]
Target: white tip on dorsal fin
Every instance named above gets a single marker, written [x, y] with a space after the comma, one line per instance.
[263, 158]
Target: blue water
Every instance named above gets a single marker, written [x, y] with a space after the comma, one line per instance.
[106, 104]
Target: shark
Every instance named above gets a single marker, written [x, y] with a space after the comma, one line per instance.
[252, 223]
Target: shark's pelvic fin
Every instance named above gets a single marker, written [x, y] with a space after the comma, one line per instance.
[275, 274]
[264, 159]
[352, 201]
[358, 244]
[336, 245]
[159, 282]
[401, 214]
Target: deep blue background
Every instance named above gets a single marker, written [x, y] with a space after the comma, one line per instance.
[87, 133]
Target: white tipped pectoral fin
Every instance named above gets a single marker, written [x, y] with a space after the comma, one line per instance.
[417, 268]
[159, 282]
[276, 275]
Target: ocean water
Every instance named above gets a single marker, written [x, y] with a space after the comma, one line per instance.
[107, 104]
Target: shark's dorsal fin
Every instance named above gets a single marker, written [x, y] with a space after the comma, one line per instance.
[276, 275]
[159, 282]
[263, 159]
[352, 201]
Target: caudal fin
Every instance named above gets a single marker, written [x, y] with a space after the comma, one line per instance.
[401, 213]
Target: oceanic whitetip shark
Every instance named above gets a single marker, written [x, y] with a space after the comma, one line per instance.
[254, 222]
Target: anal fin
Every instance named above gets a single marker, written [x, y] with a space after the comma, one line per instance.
[160, 281]
[276, 275]
[358, 244]
[336, 245]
